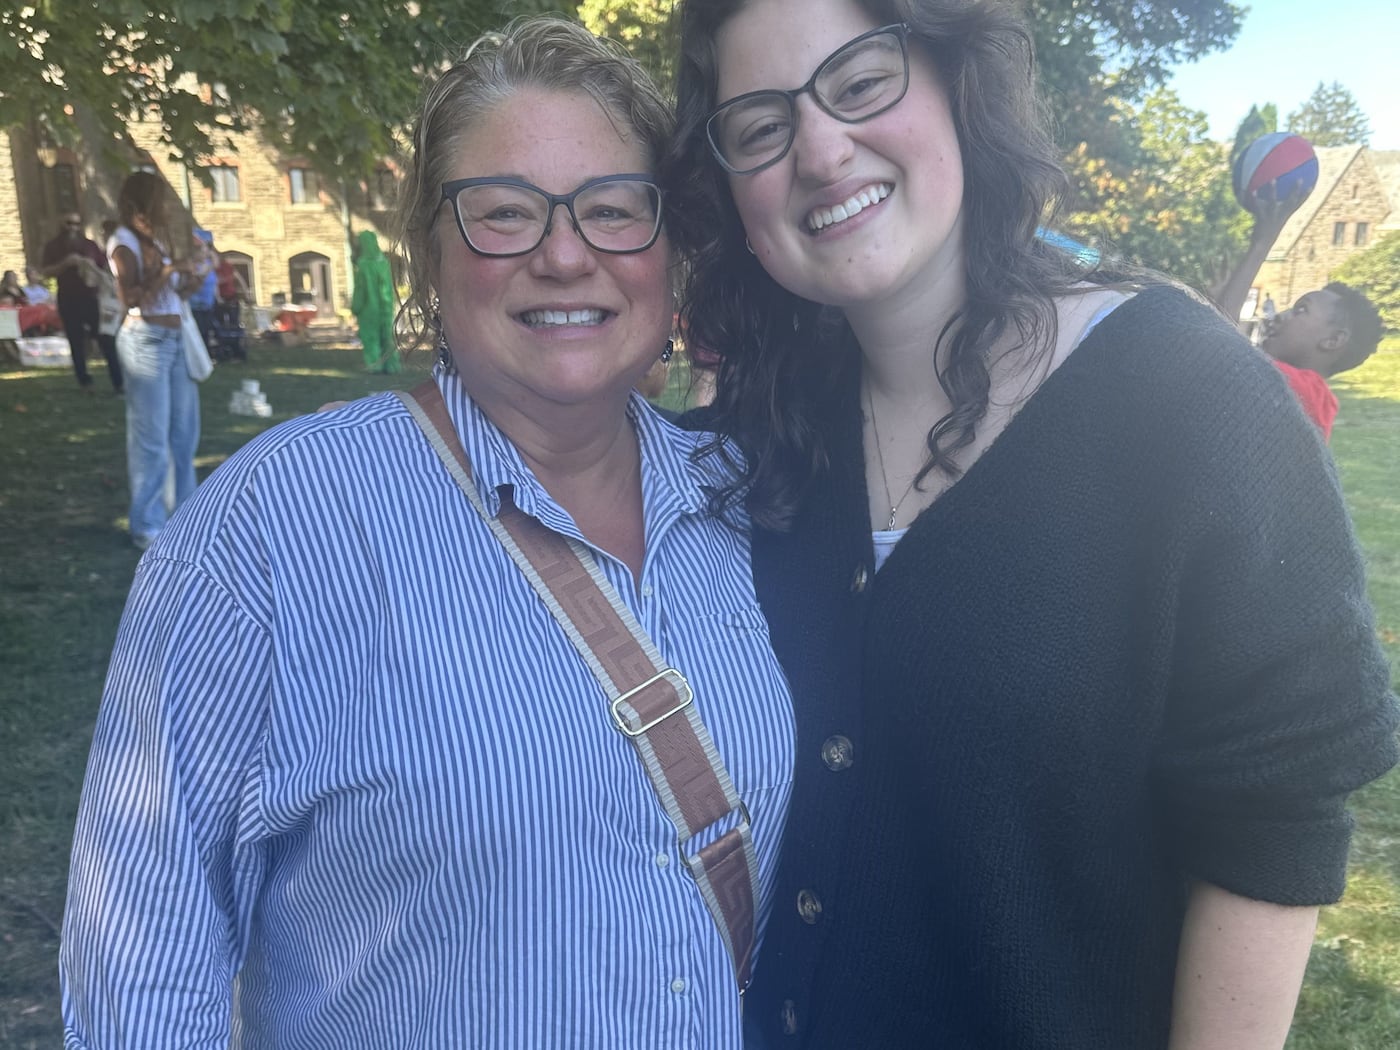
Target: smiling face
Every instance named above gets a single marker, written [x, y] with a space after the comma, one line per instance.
[564, 324]
[855, 215]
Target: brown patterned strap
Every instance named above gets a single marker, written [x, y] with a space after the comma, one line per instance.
[648, 701]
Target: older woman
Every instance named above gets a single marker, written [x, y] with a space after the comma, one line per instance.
[352, 783]
[1074, 622]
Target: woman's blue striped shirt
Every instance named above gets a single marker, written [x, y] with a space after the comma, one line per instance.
[352, 787]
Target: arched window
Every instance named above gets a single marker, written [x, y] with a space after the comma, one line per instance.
[243, 266]
[309, 279]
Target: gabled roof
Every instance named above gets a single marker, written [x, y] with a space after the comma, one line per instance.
[1332, 164]
[1387, 165]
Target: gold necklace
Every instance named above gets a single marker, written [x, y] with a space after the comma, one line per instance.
[880, 458]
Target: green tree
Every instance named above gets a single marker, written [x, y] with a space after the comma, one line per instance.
[1258, 122]
[646, 27]
[1376, 272]
[1165, 201]
[333, 80]
[1331, 116]
[1091, 53]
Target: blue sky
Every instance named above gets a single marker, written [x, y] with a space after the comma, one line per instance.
[1286, 46]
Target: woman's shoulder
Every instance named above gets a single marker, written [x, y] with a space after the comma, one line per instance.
[124, 237]
[328, 449]
[1165, 338]
[303, 467]
[1165, 378]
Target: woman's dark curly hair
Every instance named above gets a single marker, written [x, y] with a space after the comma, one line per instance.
[781, 355]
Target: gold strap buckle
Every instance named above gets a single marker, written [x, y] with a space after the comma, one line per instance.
[678, 683]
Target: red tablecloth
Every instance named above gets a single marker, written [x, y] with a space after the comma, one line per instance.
[293, 318]
[43, 316]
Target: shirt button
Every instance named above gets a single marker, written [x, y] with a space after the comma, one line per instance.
[662, 860]
[678, 985]
[787, 1017]
[808, 907]
[838, 753]
[647, 590]
[860, 579]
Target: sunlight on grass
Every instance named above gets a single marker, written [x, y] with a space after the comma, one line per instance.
[313, 373]
[1352, 994]
[1379, 377]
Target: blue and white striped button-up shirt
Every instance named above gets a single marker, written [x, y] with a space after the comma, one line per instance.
[352, 787]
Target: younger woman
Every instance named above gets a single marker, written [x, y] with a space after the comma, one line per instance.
[1075, 625]
[162, 401]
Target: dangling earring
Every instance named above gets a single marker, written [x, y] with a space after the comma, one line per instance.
[749, 247]
[444, 352]
[668, 351]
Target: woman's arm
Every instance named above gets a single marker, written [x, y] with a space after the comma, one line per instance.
[137, 284]
[167, 861]
[1238, 972]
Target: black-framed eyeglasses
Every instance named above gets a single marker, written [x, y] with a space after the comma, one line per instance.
[503, 217]
[861, 79]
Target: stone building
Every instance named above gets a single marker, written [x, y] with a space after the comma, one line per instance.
[1356, 201]
[284, 226]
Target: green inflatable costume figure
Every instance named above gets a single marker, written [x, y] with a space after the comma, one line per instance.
[373, 306]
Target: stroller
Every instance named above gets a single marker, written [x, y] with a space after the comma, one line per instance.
[229, 332]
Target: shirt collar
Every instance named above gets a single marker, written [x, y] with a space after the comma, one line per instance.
[672, 483]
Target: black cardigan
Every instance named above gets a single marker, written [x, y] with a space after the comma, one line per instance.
[1130, 647]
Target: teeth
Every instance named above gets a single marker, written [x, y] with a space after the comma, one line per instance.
[539, 318]
[824, 217]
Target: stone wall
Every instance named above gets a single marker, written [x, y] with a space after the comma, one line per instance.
[1357, 196]
[12, 255]
[264, 224]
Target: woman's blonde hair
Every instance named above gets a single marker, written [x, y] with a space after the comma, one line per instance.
[544, 52]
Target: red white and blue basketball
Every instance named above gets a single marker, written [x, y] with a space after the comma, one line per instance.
[1275, 167]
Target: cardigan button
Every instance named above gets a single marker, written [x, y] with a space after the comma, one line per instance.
[787, 1017]
[860, 579]
[809, 907]
[838, 753]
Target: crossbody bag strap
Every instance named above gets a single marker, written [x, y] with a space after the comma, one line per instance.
[650, 703]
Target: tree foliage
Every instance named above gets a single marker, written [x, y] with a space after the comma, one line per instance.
[1093, 53]
[1259, 121]
[328, 79]
[1331, 116]
[1165, 200]
[1376, 272]
[333, 79]
[645, 27]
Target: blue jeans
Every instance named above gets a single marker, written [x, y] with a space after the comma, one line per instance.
[162, 423]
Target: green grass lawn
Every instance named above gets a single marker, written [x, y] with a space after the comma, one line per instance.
[67, 563]
[1351, 1000]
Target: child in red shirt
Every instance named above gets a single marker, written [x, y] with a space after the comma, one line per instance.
[1324, 333]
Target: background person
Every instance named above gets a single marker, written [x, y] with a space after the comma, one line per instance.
[231, 293]
[12, 290]
[162, 404]
[34, 288]
[1323, 334]
[78, 263]
[322, 806]
[206, 284]
[372, 303]
[1074, 621]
